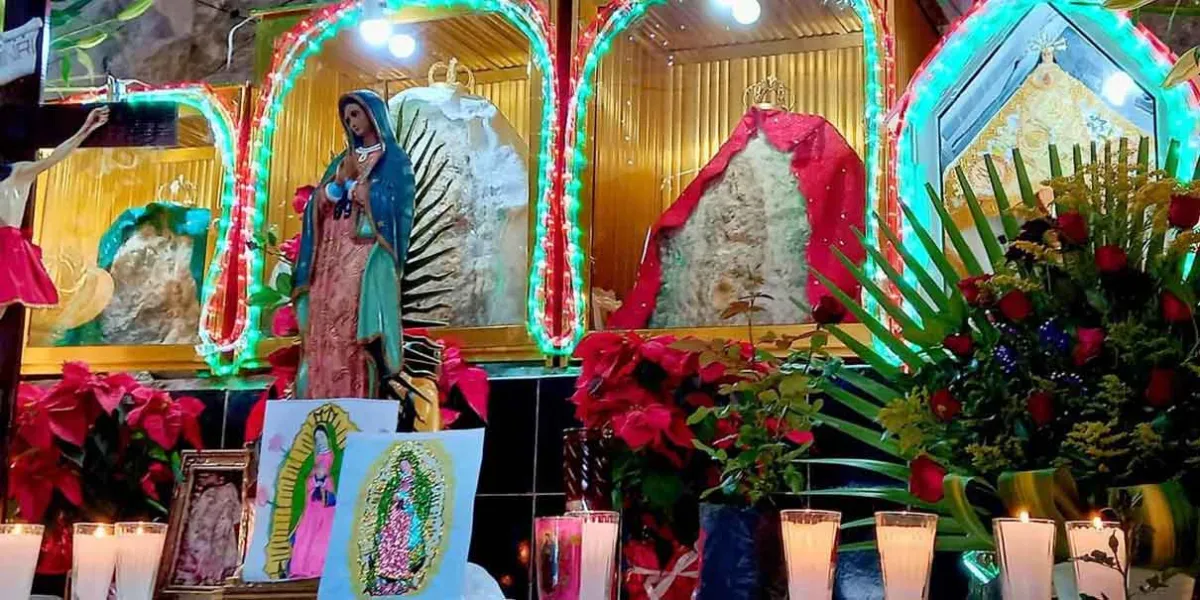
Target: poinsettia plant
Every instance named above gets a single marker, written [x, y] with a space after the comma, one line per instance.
[276, 295]
[95, 447]
[1060, 360]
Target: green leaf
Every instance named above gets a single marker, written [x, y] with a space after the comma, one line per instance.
[879, 391]
[1126, 4]
[266, 297]
[134, 10]
[932, 289]
[927, 313]
[932, 248]
[879, 330]
[891, 494]
[1187, 67]
[872, 438]
[64, 67]
[1027, 195]
[868, 410]
[662, 490]
[1011, 229]
[859, 523]
[86, 61]
[857, 546]
[868, 354]
[155, 505]
[992, 247]
[897, 471]
[969, 261]
[159, 454]
[953, 543]
[699, 414]
[913, 332]
[283, 284]
[960, 507]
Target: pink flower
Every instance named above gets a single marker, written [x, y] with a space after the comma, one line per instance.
[32, 419]
[284, 322]
[471, 382]
[653, 426]
[164, 419]
[290, 248]
[301, 198]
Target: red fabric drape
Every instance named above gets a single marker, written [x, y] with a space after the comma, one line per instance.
[829, 175]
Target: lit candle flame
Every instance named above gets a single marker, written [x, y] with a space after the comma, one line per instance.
[140, 531]
[99, 532]
[1097, 523]
[18, 530]
[1024, 516]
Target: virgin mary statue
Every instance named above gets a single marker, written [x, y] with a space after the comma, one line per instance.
[352, 252]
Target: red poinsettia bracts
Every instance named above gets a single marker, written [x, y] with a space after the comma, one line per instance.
[163, 419]
[471, 382]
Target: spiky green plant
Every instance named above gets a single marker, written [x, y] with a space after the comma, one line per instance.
[910, 332]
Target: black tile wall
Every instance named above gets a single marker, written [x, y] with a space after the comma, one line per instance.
[509, 444]
[237, 410]
[500, 541]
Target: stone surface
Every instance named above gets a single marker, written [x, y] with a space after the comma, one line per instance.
[155, 301]
[750, 223]
[486, 186]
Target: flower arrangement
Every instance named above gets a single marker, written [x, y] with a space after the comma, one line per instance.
[276, 296]
[1058, 368]
[694, 421]
[95, 447]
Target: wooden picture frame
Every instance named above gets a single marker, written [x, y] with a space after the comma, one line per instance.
[206, 473]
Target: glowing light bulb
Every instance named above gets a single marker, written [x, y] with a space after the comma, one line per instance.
[402, 45]
[746, 12]
[1117, 87]
[375, 31]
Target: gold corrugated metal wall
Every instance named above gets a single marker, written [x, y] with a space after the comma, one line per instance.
[308, 134]
[656, 124]
[78, 200]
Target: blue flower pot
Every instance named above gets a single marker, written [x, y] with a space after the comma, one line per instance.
[741, 554]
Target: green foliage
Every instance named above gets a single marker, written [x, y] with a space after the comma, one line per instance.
[72, 40]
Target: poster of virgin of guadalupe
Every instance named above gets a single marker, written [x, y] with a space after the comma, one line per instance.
[404, 526]
[300, 464]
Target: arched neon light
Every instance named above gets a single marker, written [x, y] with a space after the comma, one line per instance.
[306, 39]
[1147, 58]
[214, 343]
[595, 43]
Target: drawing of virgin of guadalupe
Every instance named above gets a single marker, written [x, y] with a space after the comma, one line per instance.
[306, 496]
[402, 525]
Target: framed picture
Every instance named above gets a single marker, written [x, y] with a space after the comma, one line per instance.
[210, 514]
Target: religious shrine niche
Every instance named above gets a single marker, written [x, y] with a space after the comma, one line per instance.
[132, 238]
[719, 154]
[464, 103]
[1028, 75]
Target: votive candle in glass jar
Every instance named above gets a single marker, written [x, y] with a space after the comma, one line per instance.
[19, 547]
[1101, 559]
[558, 544]
[599, 532]
[139, 548]
[810, 540]
[1026, 551]
[94, 559]
[905, 553]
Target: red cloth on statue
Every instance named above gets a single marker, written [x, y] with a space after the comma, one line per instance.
[23, 278]
[830, 176]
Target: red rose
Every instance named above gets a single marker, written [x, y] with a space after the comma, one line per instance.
[1041, 407]
[1073, 227]
[1111, 259]
[974, 294]
[1015, 306]
[284, 322]
[828, 311]
[944, 405]
[1161, 389]
[960, 344]
[1175, 310]
[1090, 343]
[925, 479]
[1184, 211]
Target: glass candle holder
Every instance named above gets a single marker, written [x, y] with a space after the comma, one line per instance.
[598, 553]
[1101, 557]
[94, 559]
[139, 549]
[19, 545]
[587, 469]
[810, 540]
[905, 553]
[558, 547]
[1026, 552]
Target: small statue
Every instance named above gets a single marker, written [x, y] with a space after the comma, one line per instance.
[23, 277]
[353, 248]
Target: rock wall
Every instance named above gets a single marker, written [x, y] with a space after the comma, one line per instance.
[155, 300]
[751, 223]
